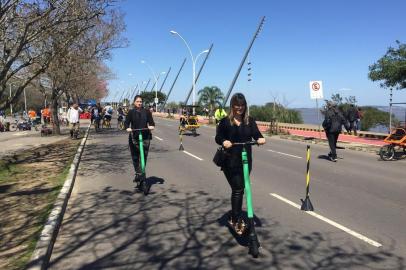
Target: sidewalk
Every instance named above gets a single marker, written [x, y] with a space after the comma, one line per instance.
[341, 138]
[16, 141]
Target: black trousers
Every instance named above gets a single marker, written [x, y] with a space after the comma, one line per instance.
[235, 178]
[332, 138]
[353, 127]
[135, 153]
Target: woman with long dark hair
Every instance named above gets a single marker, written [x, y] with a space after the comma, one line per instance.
[237, 127]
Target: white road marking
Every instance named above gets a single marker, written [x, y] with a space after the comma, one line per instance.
[329, 221]
[289, 155]
[196, 157]
[158, 138]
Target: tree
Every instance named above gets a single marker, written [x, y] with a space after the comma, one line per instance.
[210, 97]
[26, 45]
[391, 68]
[79, 47]
[148, 97]
[374, 117]
[275, 111]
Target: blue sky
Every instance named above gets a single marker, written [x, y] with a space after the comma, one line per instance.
[332, 41]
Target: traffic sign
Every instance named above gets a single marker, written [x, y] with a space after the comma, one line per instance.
[156, 100]
[316, 89]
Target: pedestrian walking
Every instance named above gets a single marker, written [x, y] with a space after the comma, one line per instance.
[73, 118]
[352, 115]
[360, 115]
[332, 124]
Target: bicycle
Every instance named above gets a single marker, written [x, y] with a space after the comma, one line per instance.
[143, 185]
[120, 122]
[96, 123]
[253, 245]
[13, 126]
[106, 123]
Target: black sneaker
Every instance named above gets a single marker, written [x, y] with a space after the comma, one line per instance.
[137, 177]
[334, 159]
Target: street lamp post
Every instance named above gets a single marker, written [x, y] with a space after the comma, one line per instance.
[194, 60]
[156, 83]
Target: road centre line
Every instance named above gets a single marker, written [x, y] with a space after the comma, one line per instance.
[196, 157]
[329, 221]
[289, 155]
[158, 138]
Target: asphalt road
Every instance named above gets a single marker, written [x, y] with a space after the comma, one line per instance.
[359, 219]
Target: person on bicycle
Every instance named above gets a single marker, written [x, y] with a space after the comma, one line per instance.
[219, 114]
[138, 118]
[73, 118]
[237, 127]
[108, 112]
[120, 114]
[96, 114]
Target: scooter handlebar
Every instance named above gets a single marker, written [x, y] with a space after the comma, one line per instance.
[139, 129]
[246, 143]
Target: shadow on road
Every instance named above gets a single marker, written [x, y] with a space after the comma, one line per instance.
[181, 229]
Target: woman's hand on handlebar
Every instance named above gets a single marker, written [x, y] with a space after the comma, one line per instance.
[261, 141]
[151, 127]
[129, 130]
[227, 144]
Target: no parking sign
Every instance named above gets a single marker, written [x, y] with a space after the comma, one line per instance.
[316, 89]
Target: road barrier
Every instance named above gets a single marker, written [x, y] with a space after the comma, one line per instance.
[181, 139]
[306, 203]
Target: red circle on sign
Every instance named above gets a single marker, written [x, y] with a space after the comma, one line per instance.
[315, 86]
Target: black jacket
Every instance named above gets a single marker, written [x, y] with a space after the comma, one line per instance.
[140, 119]
[233, 133]
[334, 121]
[352, 114]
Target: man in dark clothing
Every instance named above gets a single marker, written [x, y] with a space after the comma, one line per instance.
[332, 125]
[139, 118]
[352, 116]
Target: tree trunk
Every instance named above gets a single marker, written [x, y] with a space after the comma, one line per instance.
[55, 120]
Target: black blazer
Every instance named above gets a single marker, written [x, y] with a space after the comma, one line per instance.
[233, 133]
[140, 119]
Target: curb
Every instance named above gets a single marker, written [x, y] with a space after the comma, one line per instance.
[43, 250]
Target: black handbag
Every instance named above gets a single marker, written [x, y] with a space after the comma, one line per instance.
[219, 157]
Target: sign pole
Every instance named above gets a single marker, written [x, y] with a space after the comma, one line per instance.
[316, 92]
[318, 116]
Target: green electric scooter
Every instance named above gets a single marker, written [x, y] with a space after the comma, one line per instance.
[142, 185]
[253, 243]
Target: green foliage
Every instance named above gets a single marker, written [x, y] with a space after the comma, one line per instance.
[374, 117]
[391, 68]
[148, 98]
[275, 111]
[337, 99]
[210, 98]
